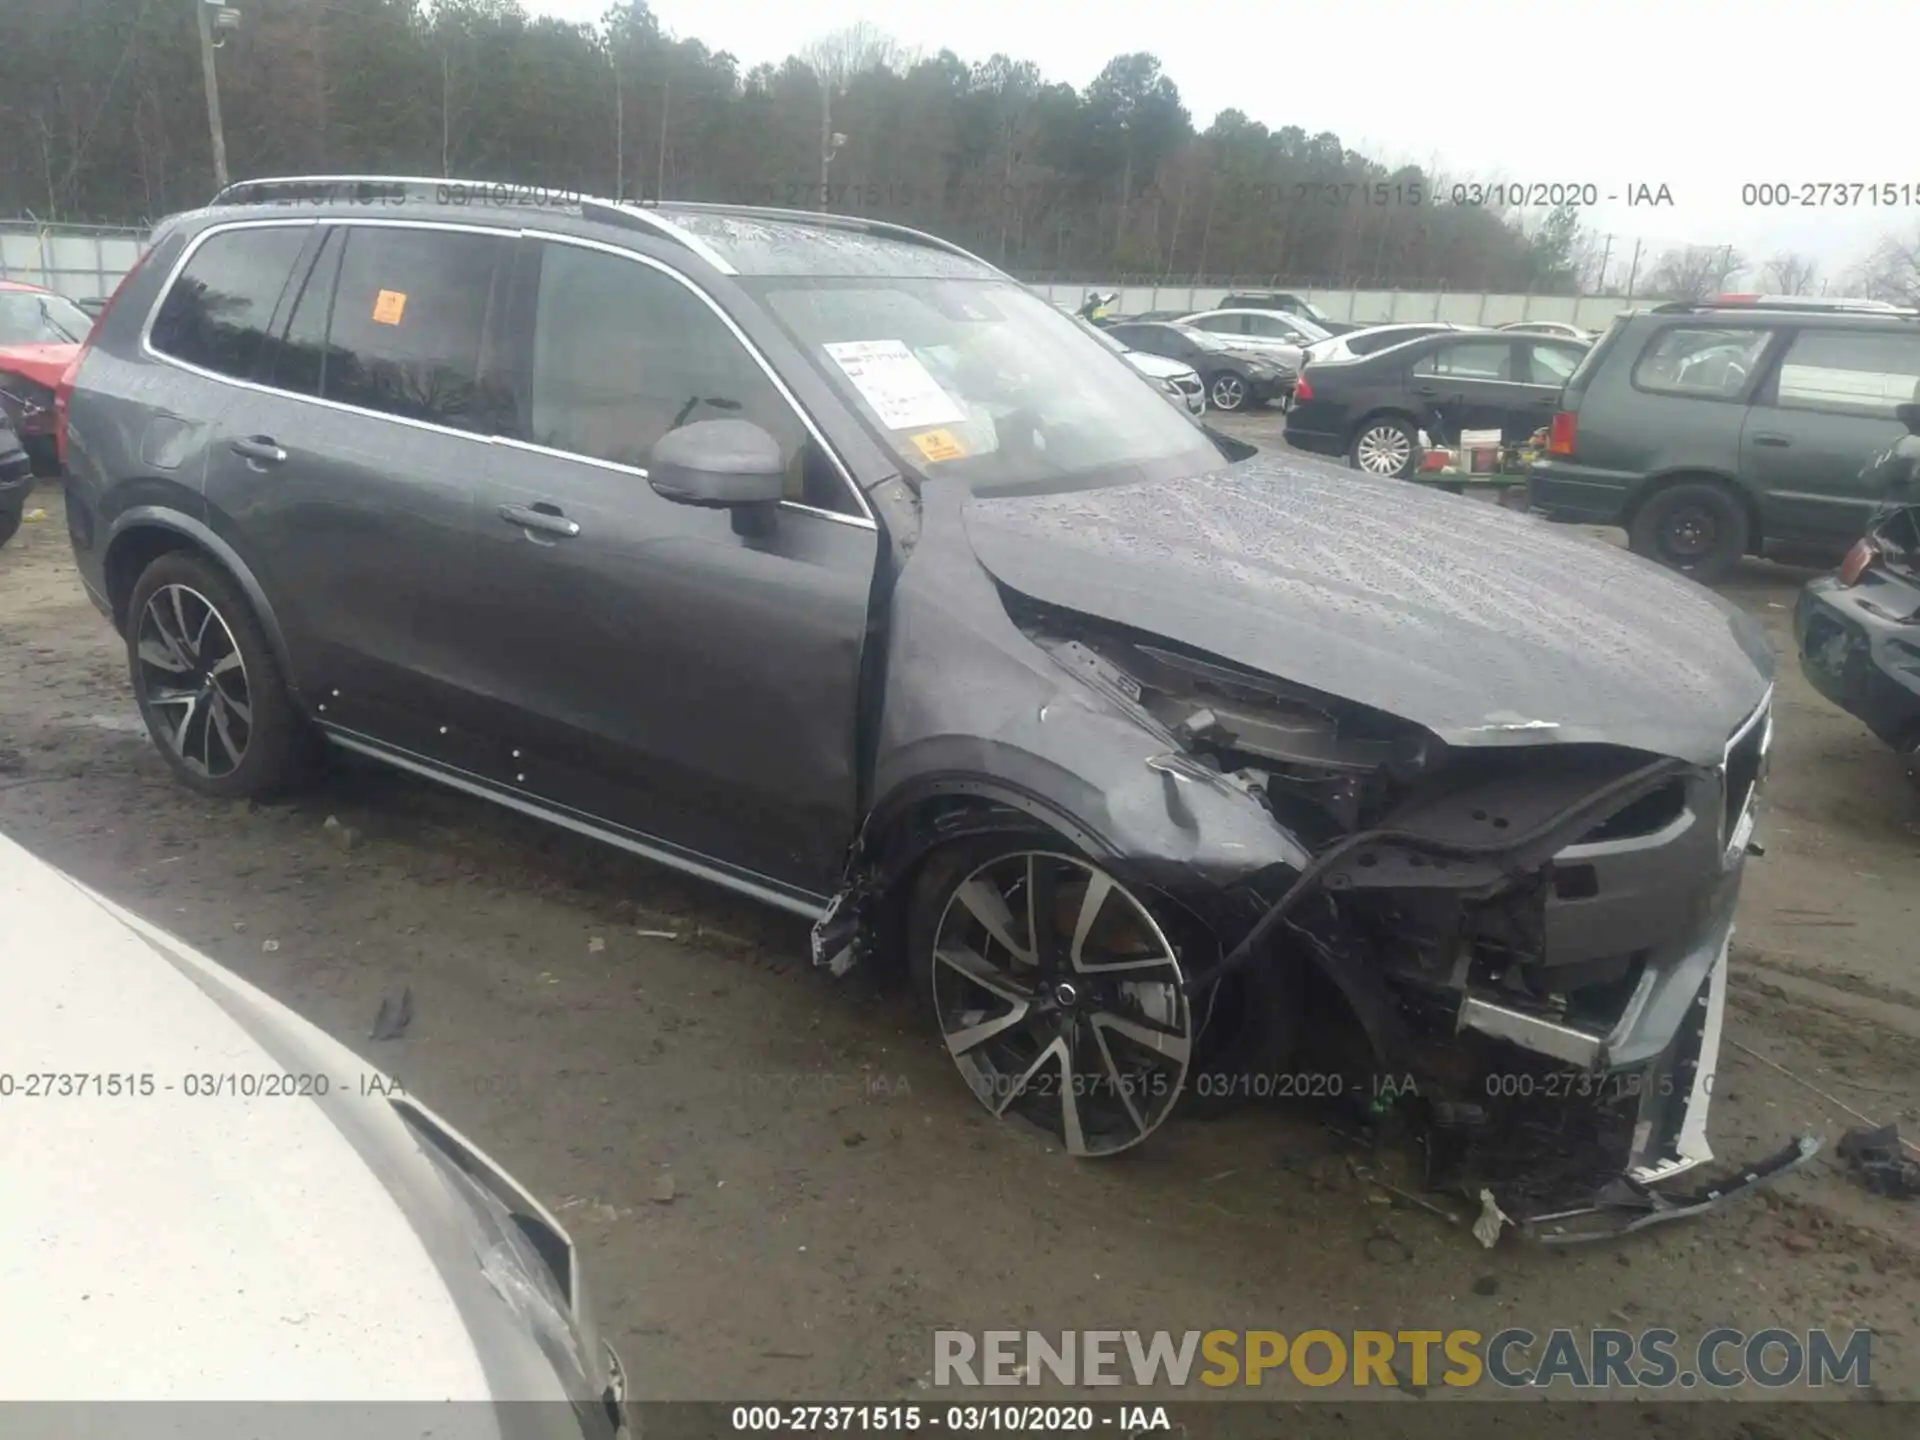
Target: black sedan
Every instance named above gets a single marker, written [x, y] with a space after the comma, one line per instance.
[1859, 630]
[1235, 379]
[1372, 409]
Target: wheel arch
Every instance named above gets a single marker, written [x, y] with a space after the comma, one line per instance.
[1660, 482]
[144, 533]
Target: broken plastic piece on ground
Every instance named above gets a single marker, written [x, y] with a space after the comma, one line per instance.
[1487, 1228]
[393, 1017]
[1624, 1207]
[34, 516]
[1881, 1160]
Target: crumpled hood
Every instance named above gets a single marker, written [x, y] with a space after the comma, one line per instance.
[1481, 625]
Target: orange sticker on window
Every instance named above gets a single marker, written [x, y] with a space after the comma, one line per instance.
[389, 306]
[939, 445]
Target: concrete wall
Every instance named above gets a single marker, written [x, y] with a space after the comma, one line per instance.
[1375, 307]
[82, 261]
[76, 261]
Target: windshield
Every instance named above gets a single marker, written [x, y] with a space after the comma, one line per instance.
[985, 381]
[28, 317]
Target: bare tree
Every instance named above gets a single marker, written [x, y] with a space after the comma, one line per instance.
[1693, 272]
[837, 59]
[1892, 272]
[1790, 274]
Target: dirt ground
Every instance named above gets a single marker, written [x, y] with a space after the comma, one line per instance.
[781, 1186]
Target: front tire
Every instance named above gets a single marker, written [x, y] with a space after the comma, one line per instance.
[1387, 446]
[1227, 391]
[209, 688]
[1057, 993]
[1697, 527]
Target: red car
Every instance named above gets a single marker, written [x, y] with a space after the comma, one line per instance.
[40, 334]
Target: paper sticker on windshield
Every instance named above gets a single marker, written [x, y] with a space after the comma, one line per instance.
[939, 445]
[389, 306]
[890, 378]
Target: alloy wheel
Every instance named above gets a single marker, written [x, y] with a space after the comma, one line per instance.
[1384, 450]
[1229, 392]
[193, 681]
[1061, 1000]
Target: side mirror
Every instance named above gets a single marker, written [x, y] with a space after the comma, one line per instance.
[718, 464]
[1909, 416]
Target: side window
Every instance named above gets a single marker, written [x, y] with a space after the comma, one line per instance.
[409, 316]
[1275, 327]
[1854, 372]
[1470, 360]
[623, 353]
[1222, 324]
[1700, 360]
[217, 313]
[1554, 364]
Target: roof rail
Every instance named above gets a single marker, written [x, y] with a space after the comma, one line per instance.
[885, 229]
[376, 190]
[1783, 302]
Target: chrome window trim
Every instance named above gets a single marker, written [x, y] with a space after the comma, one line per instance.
[865, 520]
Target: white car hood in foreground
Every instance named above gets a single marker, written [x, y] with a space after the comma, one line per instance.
[210, 1247]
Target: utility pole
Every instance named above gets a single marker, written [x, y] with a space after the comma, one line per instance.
[1726, 268]
[205, 15]
[1606, 253]
[826, 135]
[660, 164]
[1633, 270]
[619, 131]
[445, 132]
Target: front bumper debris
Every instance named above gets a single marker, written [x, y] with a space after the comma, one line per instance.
[1628, 1205]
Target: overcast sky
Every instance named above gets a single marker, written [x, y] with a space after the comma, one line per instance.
[1702, 96]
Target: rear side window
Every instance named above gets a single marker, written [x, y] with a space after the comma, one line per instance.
[1554, 364]
[1852, 372]
[1470, 360]
[1222, 324]
[218, 312]
[409, 316]
[1700, 360]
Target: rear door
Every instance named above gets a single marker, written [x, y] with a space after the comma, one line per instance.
[1547, 365]
[651, 665]
[347, 474]
[1469, 385]
[1822, 414]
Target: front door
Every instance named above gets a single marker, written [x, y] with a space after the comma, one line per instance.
[1815, 423]
[652, 666]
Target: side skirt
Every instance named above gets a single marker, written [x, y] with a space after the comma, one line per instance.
[743, 882]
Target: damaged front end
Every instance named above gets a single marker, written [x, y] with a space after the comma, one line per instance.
[1530, 932]
[1534, 938]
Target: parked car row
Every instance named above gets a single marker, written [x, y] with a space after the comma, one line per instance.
[1236, 376]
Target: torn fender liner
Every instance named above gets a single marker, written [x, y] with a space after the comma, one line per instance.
[1627, 1206]
[1480, 625]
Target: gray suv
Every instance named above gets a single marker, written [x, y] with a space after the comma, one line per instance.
[819, 558]
[1716, 429]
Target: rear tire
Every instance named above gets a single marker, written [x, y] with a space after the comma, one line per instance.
[216, 705]
[1386, 446]
[1697, 527]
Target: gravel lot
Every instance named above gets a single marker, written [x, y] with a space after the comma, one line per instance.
[783, 1188]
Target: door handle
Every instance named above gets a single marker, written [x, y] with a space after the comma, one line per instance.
[545, 518]
[1769, 438]
[260, 449]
